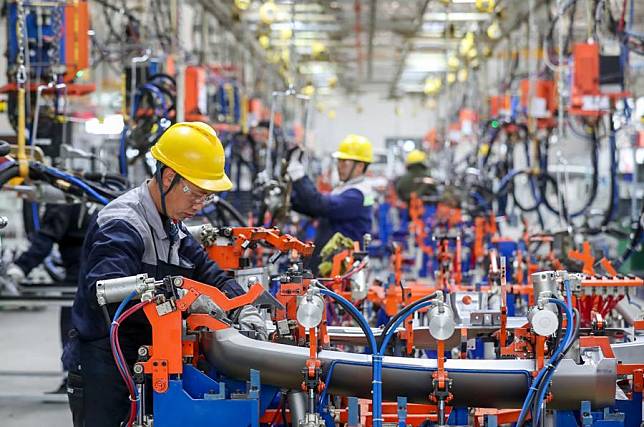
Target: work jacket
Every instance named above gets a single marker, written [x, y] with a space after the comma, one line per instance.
[348, 210]
[129, 237]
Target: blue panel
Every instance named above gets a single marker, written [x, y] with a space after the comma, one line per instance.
[632, 410]
[195, 383]
[565, 419]
[458, 417]
[402, 411]
[176, 407]
[353, 412]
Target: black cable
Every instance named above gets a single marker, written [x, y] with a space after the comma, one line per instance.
[634, 242]
[608, 214]
[284, 403]
[8, 173]
[234, 213]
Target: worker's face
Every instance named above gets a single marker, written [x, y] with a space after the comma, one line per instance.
[185, 199]
[259, 134]
[347, 171]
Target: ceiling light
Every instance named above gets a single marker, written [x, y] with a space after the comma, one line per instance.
[485, 5]
[466, 43]
[453, 62]
[268, 12]
[317, 48]
[451, 78]
[308, 90]
[462, 75]
[494, 31]
[264, 41]
[242, 4]
[286, 33]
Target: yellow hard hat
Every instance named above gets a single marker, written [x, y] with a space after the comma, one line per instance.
[355, 147]
[193, 150]
[415, 156]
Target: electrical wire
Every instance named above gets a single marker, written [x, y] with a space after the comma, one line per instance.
[121, 363]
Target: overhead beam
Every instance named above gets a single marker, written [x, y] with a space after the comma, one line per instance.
[221, 10]
[417, 25]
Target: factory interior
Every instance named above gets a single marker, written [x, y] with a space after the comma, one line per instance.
[321, 213]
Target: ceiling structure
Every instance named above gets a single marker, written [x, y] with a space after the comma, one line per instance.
[390, 47]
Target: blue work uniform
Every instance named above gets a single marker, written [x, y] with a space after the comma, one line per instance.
[347, 210]
[126, 238]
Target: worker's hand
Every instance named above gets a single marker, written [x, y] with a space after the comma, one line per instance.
[15, 273]
[9, 283]
[250, 320]
[295, 169]
[204, 305]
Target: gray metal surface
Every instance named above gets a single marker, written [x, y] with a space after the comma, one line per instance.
[630, 352]
[479, 383]
[422, 338]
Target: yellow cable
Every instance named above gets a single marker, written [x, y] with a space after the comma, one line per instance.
[23, 165]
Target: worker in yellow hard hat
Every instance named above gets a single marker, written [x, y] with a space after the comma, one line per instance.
[416, 178]
[141, 232]
[347, 209]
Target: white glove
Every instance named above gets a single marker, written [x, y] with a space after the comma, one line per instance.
[295, 169]
[204, 305]
[15, 273]
[251, 320]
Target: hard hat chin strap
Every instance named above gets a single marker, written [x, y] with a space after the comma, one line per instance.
[158, 174]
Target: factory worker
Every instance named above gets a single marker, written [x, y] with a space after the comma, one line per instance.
[416, 178]
[141, 232]
[348, 208]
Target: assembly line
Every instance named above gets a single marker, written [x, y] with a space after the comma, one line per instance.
[320, 214]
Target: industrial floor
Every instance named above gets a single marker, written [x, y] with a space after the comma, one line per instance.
[30, 343]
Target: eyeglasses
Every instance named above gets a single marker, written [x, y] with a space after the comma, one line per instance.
[196, 196]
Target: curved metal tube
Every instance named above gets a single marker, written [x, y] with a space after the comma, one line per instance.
[477, 383]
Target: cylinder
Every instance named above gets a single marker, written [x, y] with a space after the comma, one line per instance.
[543, 281]
[543, 321]
[310, 309]
[441, 322]
[116, 290]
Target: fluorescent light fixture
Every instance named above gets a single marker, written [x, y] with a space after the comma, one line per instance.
[112, 124]
[456, 16]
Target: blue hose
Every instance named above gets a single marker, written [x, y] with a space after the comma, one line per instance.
[377, 358]
[550, 373]
[35, 214]
[546, 372]
[79, 183]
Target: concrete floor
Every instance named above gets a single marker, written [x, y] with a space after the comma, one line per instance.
[30, 342]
